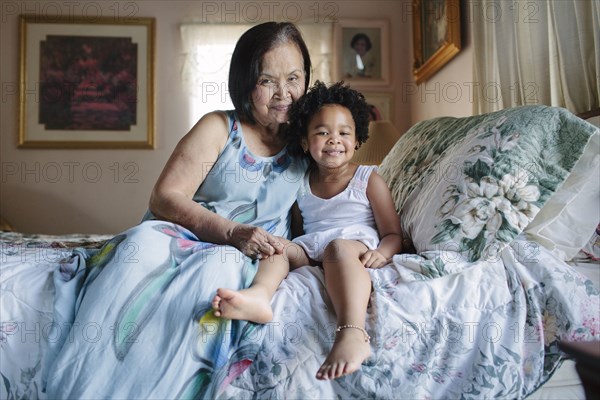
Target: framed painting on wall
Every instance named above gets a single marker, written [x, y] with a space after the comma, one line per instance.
[86, 82]
[436, 35]
[362, 52]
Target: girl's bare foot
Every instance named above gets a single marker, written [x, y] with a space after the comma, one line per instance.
[349, 350]
[247, 304]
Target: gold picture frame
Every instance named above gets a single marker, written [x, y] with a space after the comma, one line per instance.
[436, 35]
[348, 36]
[86, 82]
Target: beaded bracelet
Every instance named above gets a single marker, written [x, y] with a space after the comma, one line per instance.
[367, 337]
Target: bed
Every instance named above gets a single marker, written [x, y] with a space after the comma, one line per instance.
[503, 211]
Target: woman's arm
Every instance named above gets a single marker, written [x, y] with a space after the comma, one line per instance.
[184, 172]
[386, 217]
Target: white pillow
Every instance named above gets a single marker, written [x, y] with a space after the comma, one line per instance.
[569, 218]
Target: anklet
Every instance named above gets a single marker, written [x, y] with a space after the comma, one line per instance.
[367, 337]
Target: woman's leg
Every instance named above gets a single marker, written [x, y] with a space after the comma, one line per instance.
[148, 310]
[349, 286]
[254, 303]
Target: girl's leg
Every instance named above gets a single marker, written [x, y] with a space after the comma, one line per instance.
[254, 303]
[349, 286]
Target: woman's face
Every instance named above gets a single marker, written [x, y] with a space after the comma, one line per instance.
[360, 46]
[281, 82]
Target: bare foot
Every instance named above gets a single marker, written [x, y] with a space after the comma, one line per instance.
[347, 354]
[247, 304]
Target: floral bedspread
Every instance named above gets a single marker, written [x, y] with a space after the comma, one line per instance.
[18, 240]
[442, 327]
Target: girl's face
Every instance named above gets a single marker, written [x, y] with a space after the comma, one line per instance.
[281, 82]
[331, 136]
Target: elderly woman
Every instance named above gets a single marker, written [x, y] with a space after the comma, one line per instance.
[135, 320]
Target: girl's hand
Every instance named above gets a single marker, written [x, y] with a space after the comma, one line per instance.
[255, 242]
[373, 259]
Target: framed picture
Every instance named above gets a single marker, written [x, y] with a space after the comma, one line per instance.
[86, 82]
[436, 35]
[362, 54]
[381, 106]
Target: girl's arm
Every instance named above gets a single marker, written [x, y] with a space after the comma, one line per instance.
[386, 217]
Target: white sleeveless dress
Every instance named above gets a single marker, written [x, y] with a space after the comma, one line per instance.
[347, 215]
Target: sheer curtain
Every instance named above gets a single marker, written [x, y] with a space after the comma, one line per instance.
[207, 53]
[536, 52]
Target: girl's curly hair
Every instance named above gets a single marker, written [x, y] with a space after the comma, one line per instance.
[319, 95]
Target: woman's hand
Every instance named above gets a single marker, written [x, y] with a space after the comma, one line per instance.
[373, 259]
[255, 242]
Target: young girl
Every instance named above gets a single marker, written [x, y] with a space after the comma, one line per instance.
[349, 222]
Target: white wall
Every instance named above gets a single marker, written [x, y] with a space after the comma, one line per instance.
[37, 200]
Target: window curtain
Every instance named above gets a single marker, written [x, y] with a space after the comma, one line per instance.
[536, 52]
[207, 50]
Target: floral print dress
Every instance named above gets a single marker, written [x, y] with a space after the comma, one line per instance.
[135, 318]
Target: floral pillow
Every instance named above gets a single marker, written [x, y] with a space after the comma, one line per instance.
[476, 183]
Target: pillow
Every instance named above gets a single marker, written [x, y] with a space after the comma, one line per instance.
[569, 218]
[471, 185]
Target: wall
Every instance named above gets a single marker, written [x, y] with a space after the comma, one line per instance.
[65, 191]
[446, 93]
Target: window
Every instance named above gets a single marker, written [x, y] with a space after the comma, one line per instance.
[208, 49]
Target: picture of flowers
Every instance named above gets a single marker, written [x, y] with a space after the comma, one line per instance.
[88, 83]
